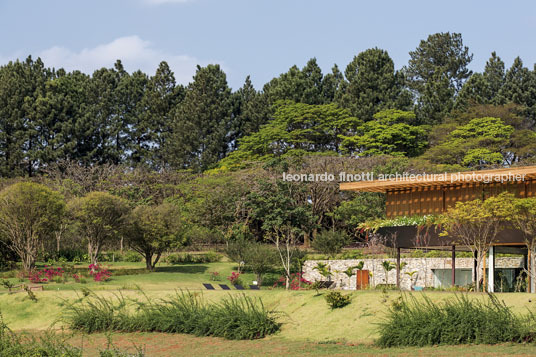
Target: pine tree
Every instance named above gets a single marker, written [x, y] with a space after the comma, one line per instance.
[372, 84]
[201, 126]
[251, 110]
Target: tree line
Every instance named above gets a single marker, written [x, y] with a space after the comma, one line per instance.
[433, 108]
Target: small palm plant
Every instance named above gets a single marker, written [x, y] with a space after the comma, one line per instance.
[411, 274]
[323, 269]
[387, 267]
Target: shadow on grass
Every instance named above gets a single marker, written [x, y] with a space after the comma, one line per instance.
[187, 269]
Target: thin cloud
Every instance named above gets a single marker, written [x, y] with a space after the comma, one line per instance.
[134, 52]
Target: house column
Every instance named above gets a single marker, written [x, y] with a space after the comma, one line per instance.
[398, 267]
[491, 274]
[453, 265]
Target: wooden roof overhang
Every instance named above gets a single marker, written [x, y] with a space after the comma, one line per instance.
[441, 180]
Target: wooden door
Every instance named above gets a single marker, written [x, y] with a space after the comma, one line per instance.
[362, 281]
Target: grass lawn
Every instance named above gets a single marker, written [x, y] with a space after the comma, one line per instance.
[309, 326]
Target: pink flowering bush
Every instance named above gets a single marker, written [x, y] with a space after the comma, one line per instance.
[45, 275]
[297, 282]
[99, 273]
[234, 278]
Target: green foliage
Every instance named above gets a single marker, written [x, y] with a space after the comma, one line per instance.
[373, 85]
[100, 217]
[462, 320]
[323, 269]
[423, 221]
[187, 258]
[152, 230]
[132, 257]
[199, 136]
[29, 214]
[237, 317]
[47, 344]
[389, 133]
[260, 259]
[330, 242]
[296, 129]
[336, 300]
[307, 85]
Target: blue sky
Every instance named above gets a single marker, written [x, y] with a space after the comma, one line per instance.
[262, 38]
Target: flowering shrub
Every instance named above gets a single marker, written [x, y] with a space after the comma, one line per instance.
[234, 278]
[98, 273]
[36, 277]
[215, 276]
[297, 282]
[45, 275]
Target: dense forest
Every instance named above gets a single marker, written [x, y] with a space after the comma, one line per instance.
[218, 154]
[434, 108]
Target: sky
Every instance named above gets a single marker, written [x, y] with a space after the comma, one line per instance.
[261, 38]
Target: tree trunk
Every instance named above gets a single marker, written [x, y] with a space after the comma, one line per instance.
[306, 240]
[532, 271]
[259, 279]
[93, 252]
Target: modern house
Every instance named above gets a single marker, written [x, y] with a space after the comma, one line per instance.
[411, 195]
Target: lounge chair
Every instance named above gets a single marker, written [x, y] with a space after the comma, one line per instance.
[239, 287]
[209, 287]
[224, 287]
[254, 287]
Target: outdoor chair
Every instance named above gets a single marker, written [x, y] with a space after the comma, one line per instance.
[239, 287]
[224, 287]
[209, 287]
[254, 287]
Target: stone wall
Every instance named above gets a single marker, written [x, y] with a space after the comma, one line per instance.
[424, 267]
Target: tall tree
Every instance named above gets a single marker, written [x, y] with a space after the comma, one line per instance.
[520, 87]
[251, 111]
[439, 53]
[300, 86]
[201, 127]
[372, 84]
[155, 123]
[436, 72]
[21, 83]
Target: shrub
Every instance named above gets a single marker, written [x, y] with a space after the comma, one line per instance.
[330, 242]
[234, 278]
[187, 258]
[132, 257]
[460, 320]
[99, 273]
[297, 282]
[48, 344]
[336, 300]
[234, 317]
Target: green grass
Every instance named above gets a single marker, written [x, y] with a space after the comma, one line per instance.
[308, 321]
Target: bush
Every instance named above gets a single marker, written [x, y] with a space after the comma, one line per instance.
[132, 257]
[187, 258]
[234, 317]
[461, 320]
[330, 242]
[336, 300]
[48, 344]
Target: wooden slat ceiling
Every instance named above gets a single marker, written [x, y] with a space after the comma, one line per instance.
[447, 180]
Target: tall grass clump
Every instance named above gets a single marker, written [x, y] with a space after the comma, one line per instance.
[48, 344]
[234, 317]
[460, 320]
